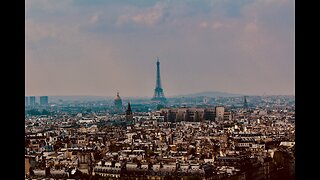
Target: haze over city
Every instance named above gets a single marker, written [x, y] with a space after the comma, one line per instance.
[78, 47]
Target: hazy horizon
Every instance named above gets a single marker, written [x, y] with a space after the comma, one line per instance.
[96, 48]
[174, 96]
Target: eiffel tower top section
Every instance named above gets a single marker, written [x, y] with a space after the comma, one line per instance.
[158, 91]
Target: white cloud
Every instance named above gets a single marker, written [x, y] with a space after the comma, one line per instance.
[217, 25]
[149, 18]
[146, 16]
[221, 24]
[123, 19]
[36, 32]
[251, 27]
[94, 19]
[204, 24]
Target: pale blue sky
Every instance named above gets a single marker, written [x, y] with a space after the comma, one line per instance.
[96, 47]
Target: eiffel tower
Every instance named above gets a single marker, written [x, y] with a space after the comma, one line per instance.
[158, 91]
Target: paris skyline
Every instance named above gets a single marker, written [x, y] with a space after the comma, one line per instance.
[101, 47]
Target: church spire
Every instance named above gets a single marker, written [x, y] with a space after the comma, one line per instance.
[129, 111]
[129, 115]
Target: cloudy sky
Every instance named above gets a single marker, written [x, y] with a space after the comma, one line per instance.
[96, 47]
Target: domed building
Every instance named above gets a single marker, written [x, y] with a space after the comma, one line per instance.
[118, 103]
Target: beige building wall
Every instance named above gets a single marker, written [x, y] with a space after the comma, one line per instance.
[26, 165]
[219, 112]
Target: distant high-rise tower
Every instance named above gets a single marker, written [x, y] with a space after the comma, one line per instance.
[32, 100]
[158, 91]
[118, 103]
[245, 103]
[44, 100]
